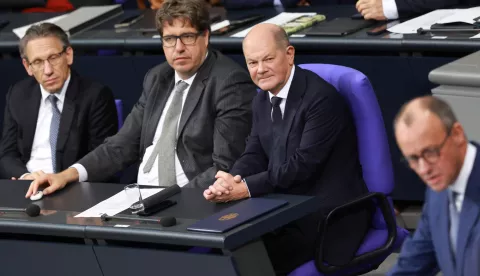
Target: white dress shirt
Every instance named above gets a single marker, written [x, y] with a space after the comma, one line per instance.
[151, 178]
[460, 184]
[283, 92]
[41, 155]
[390, 9]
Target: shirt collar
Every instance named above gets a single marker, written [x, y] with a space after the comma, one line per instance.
[189, 81]
[284, 91]
[460, 184]
[60, 95]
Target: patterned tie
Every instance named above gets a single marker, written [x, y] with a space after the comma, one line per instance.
[453, 220]
[54, 129]
[166, 144]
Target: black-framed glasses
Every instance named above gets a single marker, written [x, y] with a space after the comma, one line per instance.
[429, 155]
[53, 60]
[186, 38]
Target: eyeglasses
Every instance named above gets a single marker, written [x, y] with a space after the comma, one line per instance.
[429, 155]
[54, 59]
[186, 38]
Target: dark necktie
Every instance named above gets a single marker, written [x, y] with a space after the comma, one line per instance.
[54, 129]
[166, 144]
[454, 219]
[276, 111]
[277, 120]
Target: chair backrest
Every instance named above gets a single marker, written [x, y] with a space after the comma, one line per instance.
[119, 105]
[374, 152]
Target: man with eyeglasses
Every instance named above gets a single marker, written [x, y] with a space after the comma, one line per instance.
[191, 120]
[56, 117]
[435, 146]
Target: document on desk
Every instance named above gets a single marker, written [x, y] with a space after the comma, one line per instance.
[462, 16]
[115, 204]
[280, 19]
[425, 21]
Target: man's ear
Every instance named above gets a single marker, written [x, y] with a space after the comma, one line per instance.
[27, 67]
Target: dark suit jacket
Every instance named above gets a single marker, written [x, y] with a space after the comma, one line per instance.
[215, 120]
[429, 250]
[247, 4]
[88, 117]
[415, 7]
[316, 155]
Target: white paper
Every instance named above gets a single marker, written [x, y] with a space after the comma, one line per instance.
[115, 204]
[280, 19]
[121, 225]
[219, 25]
[462, 15]
[425, 21]
[476, 36]
[20, 32]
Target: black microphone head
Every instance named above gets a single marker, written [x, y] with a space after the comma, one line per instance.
[168, 221]
[32, 210]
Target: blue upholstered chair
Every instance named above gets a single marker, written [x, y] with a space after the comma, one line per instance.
[384, 236]
[119, 105]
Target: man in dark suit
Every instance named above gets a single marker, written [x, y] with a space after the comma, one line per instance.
[393, 9]
[191, 119]
[248, 4]
[303, 141]
[56, 117]
[435, 146]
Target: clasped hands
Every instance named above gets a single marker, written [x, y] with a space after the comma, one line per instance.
[226, 188]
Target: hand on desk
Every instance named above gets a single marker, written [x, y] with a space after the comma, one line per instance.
[226, 188]
[371, 9]
[53, 181]
[30, 176]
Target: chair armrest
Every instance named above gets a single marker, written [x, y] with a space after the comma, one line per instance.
[361, 202]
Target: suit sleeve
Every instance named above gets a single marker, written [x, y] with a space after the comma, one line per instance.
[254, 160]
[232, 125]
[325, 120]
[121, 150]
[417, 256]
[103, 120]
[11, 164]
[411, 7]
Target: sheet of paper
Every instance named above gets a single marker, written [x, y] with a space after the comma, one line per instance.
[476, 36]
[462, 15]
[424, 21]
[219, 25]
[115, 204]
[20, 32]
[280, 19]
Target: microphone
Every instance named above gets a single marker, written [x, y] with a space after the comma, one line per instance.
[158, 201]
[165, 221]
[32, 210]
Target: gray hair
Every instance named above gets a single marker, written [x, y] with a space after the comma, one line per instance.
[42, 30]
[433, 104]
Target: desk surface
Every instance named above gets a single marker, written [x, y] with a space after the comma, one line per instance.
[105, 36]
[59, 209]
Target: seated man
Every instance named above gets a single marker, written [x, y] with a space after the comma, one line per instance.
[393, 9]
[56, 117]
[303, 141]
[191, 119]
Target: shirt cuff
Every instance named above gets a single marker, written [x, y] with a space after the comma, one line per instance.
[23, 175]
[245, 181]
[82, 172]
[390, 9]
[277, 2]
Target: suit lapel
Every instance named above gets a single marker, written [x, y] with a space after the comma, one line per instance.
[294, 99]
[264, 110]
[68, 113]
[164, 89]
[469, 214]
[195, 92]
[32, 104]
